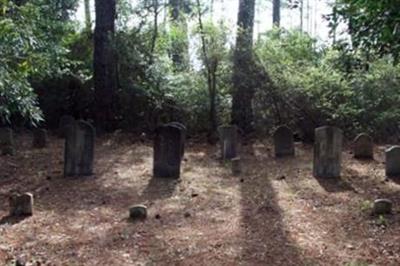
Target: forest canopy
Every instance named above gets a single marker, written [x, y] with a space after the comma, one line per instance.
[136, 64]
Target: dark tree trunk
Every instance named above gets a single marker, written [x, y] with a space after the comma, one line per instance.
[88, 19]
[276, 13]
[180, 47]
[105, 69]
[243, 68]
[211, 73]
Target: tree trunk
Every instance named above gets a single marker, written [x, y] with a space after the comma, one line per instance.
[180, 47]
[104, 64]
[243, 68]
[155, 31]
[301, 15]
[276, 13]
[88, 18]
[211, 73]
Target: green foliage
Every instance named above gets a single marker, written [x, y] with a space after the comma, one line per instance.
[314, 85]
[366, 205]
[30, 48]
[373, 25]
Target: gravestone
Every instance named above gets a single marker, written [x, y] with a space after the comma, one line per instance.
[393, 161]
[63, 124]
[138, 212]
[283, 142]
[228, 136]
[236, 166]
[382, 206]
[79, 149]
[327, 152]
[7, 144]
[168, 149]
[183, 128]
[21, 205]
[363, 147]
[39, 138]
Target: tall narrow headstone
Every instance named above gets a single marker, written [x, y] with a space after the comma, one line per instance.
[363, 147]
[327, 152]
[236, 166]
[183, 128]
[39, 138]
[7, 144]
[79, 149]
[228, 136]
[283, 142]
[168, 149]
[393, 161]
[63, 124]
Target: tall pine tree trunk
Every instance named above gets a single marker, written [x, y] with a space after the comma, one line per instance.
[180, 42]
[105, 69]
[243, 68]
[88, 18]
[276, 13]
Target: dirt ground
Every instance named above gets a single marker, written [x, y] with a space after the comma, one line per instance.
[275, 213]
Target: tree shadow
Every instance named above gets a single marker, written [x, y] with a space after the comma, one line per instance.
[159, 188]
[394, 178]
[334, 184]
[11, 219]
[265, 239]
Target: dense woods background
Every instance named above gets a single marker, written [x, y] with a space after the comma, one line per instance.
[141, 63]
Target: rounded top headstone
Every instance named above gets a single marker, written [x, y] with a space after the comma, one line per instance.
[363, 146]
[283, 130]
[393, 150]
[283, 141]
[177, 124]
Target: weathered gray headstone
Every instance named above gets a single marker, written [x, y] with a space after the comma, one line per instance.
[7, 144]
[168, 149]
[21, 205]
[327, 152]
[283, 142]
[228, 136]
[382, 206]
[39, 138]
[183, 128]
[363, 147]
[79, 149]
[393, 161]
[236, 166]
[138, 212]
[63, 124]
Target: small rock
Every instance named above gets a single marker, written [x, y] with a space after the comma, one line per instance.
[282, 177]
[187, 215]
[19, 262]
[157, 216]
[194, 195]
[382, 206]
[138, 212]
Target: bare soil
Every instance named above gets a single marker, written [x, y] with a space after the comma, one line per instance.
[275, 213]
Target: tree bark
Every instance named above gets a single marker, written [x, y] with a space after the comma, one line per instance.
[211, 73]
[88, 18]
[104, 64]
[276, 13]
[180, 47]
[243, 68]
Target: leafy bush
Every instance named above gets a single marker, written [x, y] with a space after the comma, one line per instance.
[311, 87]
